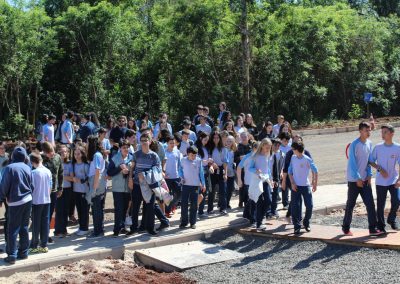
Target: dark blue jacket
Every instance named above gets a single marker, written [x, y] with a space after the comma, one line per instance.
[87, 130]
[16, 184]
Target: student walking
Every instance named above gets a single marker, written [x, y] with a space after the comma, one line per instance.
[359, 180]
[384, 158]
[192, 175]
[299, 171]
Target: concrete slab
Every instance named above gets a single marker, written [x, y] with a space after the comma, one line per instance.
[191, 254]
[329, 234]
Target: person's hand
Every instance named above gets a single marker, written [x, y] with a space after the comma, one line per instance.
[59, 193]
[141, 177]
[314, 188]
[294, 187]
[76, 180]
[360, 183]
[384, 173]
[397, 184]
[182, 181]
[215, 166]
[369, 181]
[211, 170]
[122, 166]
[225, 177]
[202, 188]
[125, 171]
[241, 157]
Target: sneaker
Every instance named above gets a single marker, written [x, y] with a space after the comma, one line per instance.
[21, 257]
[193, 227]
[81, 233]
[50, 240]
[141, 229]
[153, 233]
[131, 232]
[375, 232]
[347, 232]
[95, 236]
[228, 207]
[285, 207]
[162, 227]
[33, 250]
[43, 250]
[253, 225]
[308, 228]
[261, 228]
[287, 214]
[60, 235]
[9, 260]
[297, 232]
[182, 226]
[115, 235]
[394, 226]
[223, 212]
[201, 216]
[240, 204]
[210, 212]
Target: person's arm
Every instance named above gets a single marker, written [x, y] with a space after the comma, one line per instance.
[5, 185]
[130, 176]
[113, 170]
[225, 163]
[60, 177]
[353, 164]
[70, 177]
[180, 172]
[290, 172]
[372, 163]
[202, 180]
[314, 171]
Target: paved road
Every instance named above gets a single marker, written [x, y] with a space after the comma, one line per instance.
[328, 152]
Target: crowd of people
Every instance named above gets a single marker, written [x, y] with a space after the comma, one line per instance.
[157, 168]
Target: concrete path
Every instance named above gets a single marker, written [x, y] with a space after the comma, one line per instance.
[329, 234]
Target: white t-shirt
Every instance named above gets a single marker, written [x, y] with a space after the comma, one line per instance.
[386, 156]
[42, 182]
[48, 132]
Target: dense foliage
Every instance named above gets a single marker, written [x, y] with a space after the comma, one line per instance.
[311, 59]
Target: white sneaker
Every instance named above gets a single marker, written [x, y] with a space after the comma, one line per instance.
[261, 228]
[253, 226]
[81, 233]
[128, 221]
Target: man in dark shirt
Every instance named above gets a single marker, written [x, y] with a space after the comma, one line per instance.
[244, 148]
[118, 132]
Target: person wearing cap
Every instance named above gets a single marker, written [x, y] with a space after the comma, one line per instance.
[186, 125]
[192, 177]
[16, 187]
[48, 130]
[203, 127]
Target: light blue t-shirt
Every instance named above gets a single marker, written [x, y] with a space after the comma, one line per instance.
[183, 148]
[386, 156]
[67, 169]
[172, 164]
[206, 128]
[106, 144]
[98, 163]
[42, 182]
[245, 165]
[300, 169]
[230, 168]
[192, 171]
[192, 135]
[220, 157]
[81, 171]
[68, 128]
[357, 165]
[262, 163]
[286, 148]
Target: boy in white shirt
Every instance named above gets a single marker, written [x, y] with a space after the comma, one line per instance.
[384, 157]
[42, 180]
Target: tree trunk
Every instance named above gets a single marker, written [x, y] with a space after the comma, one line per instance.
[245, 57]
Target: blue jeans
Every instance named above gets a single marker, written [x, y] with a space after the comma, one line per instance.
[305, 193]
[230, 187]
[98, 214]
[82, 207]
[368, 199]
[264, 201]
[17, 224]
[62, 211]
[285, 193]
[40, 225]
[381, 194]
[53, 202]
[217, 179]
[121, 203]
[175, 190]
[189, 193]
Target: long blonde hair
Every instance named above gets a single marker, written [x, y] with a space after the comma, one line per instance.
[265, 141]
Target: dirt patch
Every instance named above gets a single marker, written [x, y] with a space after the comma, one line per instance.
[97, 272]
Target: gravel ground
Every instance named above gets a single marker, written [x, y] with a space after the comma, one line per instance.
[283, 261]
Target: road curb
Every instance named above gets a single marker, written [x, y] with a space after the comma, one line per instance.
[119, 251]
[334, 130]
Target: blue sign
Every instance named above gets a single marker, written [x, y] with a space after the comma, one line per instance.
[368, 97]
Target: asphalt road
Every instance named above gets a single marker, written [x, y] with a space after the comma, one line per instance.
[328, 152]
